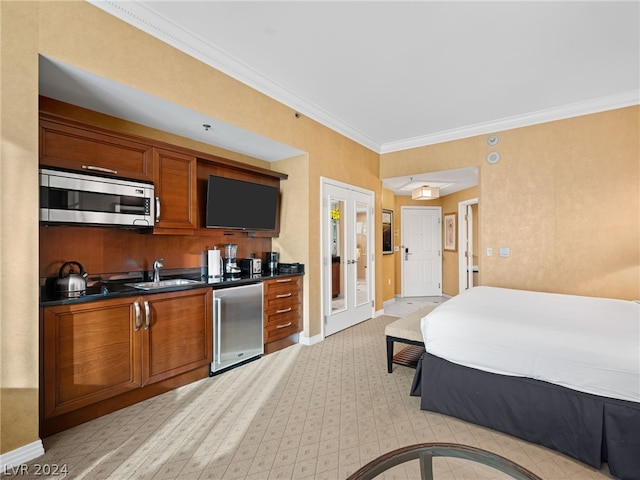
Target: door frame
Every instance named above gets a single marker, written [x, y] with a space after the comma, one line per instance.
[325, 248]
[462, 241]
[402, 246]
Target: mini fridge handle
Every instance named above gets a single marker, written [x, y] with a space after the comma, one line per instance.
[217, 302]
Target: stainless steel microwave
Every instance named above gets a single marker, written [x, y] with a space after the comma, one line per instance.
[77, 198]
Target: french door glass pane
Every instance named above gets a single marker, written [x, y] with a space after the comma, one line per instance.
[338, 302]
[361, 253]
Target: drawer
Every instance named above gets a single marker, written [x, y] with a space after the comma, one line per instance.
[280, 316]
[281, 300]
[282, 285]
[281, 330]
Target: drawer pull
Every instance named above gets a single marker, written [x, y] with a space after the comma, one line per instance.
[283, 295]
[284, 310]
[283, 280]
[284, 325]
[100, 169]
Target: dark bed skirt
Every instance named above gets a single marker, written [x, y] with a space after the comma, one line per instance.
[587, 427]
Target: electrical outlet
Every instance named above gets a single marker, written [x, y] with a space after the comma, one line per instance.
[489, 251]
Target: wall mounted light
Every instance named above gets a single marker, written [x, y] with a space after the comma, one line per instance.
[425, 193]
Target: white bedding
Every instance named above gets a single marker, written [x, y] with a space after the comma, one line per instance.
[584, 343]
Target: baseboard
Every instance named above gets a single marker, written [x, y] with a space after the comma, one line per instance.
[20, 456]
[308, 341]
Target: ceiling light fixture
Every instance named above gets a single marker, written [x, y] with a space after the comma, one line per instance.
[425, 193]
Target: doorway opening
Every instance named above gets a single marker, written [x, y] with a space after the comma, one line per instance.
[468, 240]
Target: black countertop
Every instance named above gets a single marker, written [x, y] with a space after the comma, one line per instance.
[103, 287]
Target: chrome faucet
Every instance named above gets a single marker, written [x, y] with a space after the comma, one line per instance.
[157, 265]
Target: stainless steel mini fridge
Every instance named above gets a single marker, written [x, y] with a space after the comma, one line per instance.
[237, 325]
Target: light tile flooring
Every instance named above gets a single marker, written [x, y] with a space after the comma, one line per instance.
[316, 412]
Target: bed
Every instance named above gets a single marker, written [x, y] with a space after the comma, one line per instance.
[558, 370]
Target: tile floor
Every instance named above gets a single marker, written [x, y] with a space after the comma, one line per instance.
[316, 412]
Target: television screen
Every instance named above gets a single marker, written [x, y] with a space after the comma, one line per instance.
[239, 204]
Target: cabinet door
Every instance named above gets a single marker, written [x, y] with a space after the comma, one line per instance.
[91, 352]
[93, 150]
[174, 176]
[178, 333]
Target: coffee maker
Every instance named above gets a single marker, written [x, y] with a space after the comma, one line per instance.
[271, 263]
[231, 268]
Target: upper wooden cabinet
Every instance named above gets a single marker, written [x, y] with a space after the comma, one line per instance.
[92, 150]
[174, 178]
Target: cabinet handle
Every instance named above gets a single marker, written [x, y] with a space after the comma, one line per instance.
[136, 306]
[285, 310]
[147, 315]
[100, 169]
[283, 295]
[283, 280]
[284, 325]
[157, 209]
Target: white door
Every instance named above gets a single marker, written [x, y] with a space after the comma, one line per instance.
[421, 233]
[347, 256]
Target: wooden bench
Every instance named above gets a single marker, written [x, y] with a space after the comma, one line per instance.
[406, 330]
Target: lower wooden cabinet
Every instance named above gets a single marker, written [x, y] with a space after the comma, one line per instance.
[282, 312]
[92, 352]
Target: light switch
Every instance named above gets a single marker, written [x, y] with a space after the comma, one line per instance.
[489, 251]
[505, 252]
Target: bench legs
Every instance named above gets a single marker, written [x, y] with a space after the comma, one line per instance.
[408, 357]
[389, 354]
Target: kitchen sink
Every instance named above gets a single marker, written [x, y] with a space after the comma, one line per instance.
[174, 282]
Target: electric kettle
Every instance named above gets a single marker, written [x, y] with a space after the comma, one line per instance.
[70, 284]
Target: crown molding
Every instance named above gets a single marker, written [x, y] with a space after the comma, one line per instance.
[139, 16]
[577, 109]
[148, 21]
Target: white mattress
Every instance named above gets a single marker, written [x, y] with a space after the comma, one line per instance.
[587, 344]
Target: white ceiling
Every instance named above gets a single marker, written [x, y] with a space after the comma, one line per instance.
[393, 75]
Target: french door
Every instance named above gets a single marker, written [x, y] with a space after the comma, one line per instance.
[347, 255]
[421, 251]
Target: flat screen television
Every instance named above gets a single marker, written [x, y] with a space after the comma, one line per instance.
[237, 204]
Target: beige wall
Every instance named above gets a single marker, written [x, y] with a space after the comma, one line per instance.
[565, 197]
[80, 34]
[18, 226]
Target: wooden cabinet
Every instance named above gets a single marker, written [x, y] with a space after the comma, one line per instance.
[92, 150]
[91, 352]
[95, 351]
[282, 311]
[179, 334]
[175, 177]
